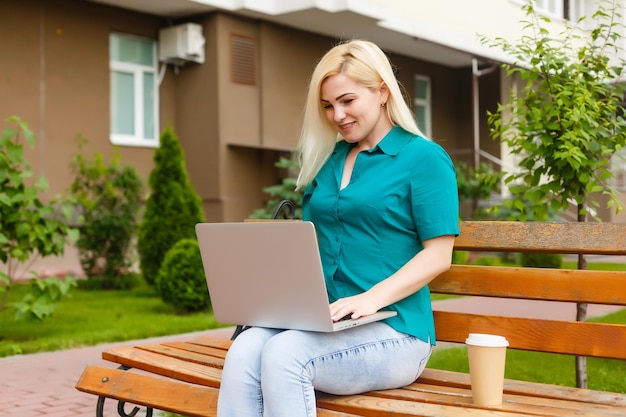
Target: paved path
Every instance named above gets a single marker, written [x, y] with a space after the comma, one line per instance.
[42, 384]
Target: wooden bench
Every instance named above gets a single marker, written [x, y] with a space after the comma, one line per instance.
[184, 377]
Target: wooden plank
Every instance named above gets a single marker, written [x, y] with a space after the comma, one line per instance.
[331, 413]
[177, 397]
[532, 389]
[213, 342]
[218, 354]
[593, 287]
[573, 338]
[162, 394]
[171, 350]
[549, 237]
[370, 406]
[530, 405]
[165, 366]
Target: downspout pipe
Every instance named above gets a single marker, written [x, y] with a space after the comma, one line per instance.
[476, 74]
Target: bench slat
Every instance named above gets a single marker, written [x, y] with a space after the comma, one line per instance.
[539, 335]
[199, 349]
[370, 406]
[547, 237]
[212, 342]
[162, 394]
[533, 389]
[172, 350]
[533, 284]
[161, 365]
[437, 394]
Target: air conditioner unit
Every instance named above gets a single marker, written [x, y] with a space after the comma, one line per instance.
[181, 43]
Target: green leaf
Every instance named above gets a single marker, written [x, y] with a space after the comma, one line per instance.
[5, 199]
[41, 184]
[4, 279]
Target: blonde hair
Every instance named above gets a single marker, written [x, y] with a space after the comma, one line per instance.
[366, 64]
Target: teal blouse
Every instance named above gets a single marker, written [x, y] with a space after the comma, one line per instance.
[401, 193]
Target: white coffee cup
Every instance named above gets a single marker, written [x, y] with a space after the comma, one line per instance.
[487, 355]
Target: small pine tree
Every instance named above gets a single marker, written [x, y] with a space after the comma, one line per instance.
[172, 209]
[286, 190]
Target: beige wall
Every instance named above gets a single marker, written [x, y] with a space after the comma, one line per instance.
[254, 124]
[55, 76]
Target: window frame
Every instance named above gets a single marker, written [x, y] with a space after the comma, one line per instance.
[425, 103]
[138, 71]
[544, 9]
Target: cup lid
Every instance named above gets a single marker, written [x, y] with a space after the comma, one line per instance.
[489, 340]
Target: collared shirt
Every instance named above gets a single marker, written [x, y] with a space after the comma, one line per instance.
[402, 192]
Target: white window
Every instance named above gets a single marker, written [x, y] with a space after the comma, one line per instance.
[549, 8]
[577, 9]
[552, 8]
[422, 104]
[134, 91]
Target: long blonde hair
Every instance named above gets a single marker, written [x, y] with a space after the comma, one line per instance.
[366, 64]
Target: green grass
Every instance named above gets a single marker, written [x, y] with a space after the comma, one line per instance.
[93, 317]
[598, 266]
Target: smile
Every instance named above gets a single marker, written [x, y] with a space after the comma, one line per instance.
[347, 125]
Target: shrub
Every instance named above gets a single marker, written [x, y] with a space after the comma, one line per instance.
[172, 209]
[488, 261]
[109, 197]
[477, 184]
[286, 190]
[181, 280]
[29, 227]
[541, 260]
[460, 257]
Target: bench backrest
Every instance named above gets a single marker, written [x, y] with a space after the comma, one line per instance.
[558, 285]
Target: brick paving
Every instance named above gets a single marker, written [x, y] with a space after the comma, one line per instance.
[42, 384]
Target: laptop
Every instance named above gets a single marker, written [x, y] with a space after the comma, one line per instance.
[269, 274]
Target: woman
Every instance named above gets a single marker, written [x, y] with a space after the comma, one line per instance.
[385, 207]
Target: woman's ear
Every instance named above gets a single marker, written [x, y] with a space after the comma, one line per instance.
[384, 92]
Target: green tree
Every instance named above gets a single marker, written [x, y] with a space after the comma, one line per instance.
[567, 120]
[286, 190]
[29, 227]
[172, 209]
[109, 198]
[476, 184]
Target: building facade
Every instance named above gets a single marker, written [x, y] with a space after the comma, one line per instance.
[229, 77]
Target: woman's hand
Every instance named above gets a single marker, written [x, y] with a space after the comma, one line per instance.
[356, 306]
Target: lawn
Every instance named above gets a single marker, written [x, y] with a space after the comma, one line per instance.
[93, 317]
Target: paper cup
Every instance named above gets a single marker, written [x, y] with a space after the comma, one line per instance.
[487, 354]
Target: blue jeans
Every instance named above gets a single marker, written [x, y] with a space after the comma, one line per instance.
[274, 373]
